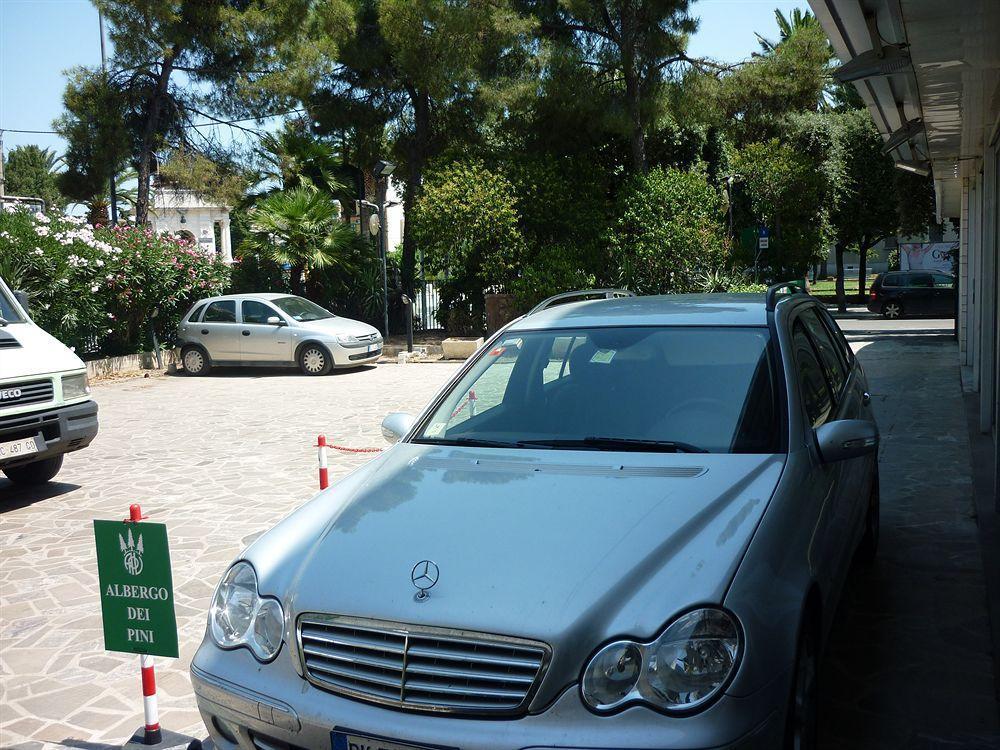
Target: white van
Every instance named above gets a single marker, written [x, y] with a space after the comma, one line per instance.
[45, 405]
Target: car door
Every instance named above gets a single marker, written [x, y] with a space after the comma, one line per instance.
[261, 341]
[849, 403]
[919, 294]
[218, 331]
[944, 295]
[825, 483]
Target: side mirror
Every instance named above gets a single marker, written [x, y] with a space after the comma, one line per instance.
[395, 425]
[274, 320]
[846, 438]
[22, 300]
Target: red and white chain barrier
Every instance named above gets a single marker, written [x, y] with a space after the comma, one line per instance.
[152, 717]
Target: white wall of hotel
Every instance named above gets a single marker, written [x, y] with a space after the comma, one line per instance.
[182, 212]
[929, 73]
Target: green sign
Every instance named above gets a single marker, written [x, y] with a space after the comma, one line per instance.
[137, 592]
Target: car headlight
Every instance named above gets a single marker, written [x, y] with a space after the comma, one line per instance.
[343, 339]
[683, 669]
[75, 386]
[240, 616]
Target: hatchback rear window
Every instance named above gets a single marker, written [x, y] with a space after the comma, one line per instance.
[676, 388]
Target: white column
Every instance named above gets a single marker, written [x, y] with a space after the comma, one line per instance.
[227, 240]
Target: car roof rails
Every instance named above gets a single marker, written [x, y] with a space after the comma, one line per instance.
[794, 287]
[556, 299]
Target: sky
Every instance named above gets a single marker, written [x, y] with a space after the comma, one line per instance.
[41, 39]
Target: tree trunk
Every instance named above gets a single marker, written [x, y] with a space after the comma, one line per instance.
[841, 298]
[862, 270]
[419, 153]
[633, 93]
[296, 280]
[144, 166]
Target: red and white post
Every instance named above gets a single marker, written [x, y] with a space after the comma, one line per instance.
[472, 403]
[152, 734]
[324, 474]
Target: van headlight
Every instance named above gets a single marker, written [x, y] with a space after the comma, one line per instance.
[682, 670]
[75, 386]
[347, 339]
[240, 616]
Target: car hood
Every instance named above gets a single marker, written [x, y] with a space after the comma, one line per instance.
[38, 354]
[338, 327]
[567, 547]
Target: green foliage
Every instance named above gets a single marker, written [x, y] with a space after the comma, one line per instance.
[207, 178]
[30, 171]
[725, 280]
[669, 230]
[98, 140]
[300, 227]
[96, 288]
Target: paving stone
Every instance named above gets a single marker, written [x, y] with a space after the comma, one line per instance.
[161, 444]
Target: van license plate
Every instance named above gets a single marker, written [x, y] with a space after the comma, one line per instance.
[19, 448]
[350, 741]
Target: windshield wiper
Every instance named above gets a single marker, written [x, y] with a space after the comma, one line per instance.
[616, 443]
[470, 441]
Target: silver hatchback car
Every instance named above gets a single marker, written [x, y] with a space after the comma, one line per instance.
[625, 523]
[273, 330]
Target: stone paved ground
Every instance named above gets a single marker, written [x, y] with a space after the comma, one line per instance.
[909, 662]
[218, 460]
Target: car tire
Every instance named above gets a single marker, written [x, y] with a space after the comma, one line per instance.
[892, 310]
[315, 359]
[868, 548]
[37, 472]
[802, 723]
[195, 361]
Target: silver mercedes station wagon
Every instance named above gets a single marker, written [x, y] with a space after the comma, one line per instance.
[625, 523]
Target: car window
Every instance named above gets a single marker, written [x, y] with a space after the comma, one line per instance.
[943, 281]
[830, 356]
[223, 311]
[921, 280]
[893, 279]
[705, 388]
[847, 353]
[257, 312]
[302, 310]
[197, 311]
[815, 392]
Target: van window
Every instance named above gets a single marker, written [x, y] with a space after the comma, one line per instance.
[829, 354]
[197, 310]
[257, 312]
[943, 281]
[815, 392]
[893, 279]
[921, 280]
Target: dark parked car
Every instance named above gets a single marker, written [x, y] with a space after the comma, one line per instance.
[910, 293]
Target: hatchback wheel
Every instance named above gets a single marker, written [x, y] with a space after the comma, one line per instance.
[892, 310]
[195, 361]
[315, 360]
[803, 717]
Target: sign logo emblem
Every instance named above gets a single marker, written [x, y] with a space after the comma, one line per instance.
[131, 553]
[424, 576]
[10, 394]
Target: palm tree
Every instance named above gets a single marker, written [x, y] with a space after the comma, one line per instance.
[293, 157]
[787, 26]
[301, 227]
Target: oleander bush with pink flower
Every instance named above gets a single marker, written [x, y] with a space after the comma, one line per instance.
[101, 289]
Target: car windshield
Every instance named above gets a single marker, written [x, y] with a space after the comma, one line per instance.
[670, 389]
[301, 310]
[8, 312]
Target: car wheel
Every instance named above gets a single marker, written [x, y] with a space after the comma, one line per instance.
[195, 361]
[802, 728]
[868, 549]
[37, 472]
[892, 310]
[315, 360]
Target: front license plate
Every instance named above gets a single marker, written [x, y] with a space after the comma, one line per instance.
[19, 448]
[352, 741]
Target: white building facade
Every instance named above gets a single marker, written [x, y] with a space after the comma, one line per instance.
[185, 214]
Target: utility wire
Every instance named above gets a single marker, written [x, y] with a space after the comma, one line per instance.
[217, 123]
